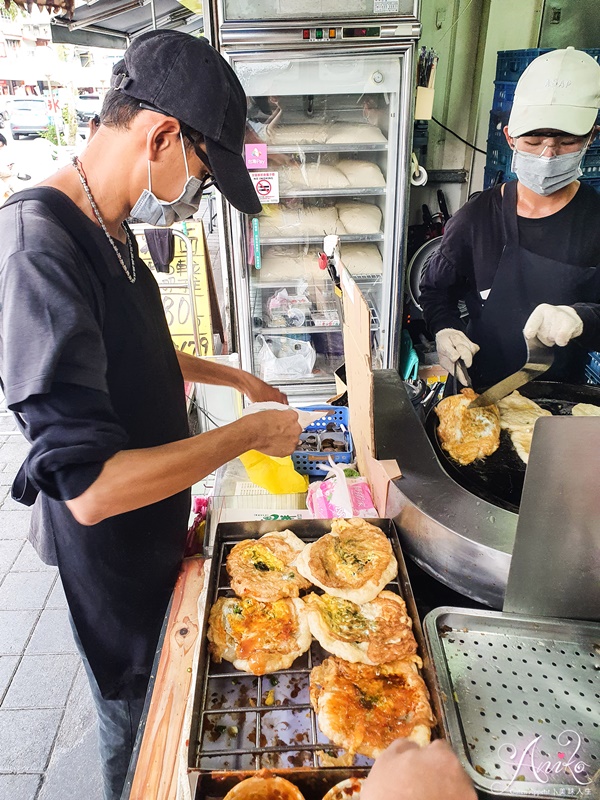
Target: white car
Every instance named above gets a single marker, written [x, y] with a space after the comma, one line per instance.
[28, 116]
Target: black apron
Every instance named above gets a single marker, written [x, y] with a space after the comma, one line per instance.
[522, 281]
[118, 575]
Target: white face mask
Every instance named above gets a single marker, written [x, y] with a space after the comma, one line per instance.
[545, 175]
[149, 209]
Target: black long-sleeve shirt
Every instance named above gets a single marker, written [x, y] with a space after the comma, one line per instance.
[465, 264]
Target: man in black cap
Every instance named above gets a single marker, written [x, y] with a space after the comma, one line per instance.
[88, 365]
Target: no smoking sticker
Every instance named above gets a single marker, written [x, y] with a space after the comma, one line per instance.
[266, 185]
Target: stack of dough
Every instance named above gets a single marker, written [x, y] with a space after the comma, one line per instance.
[362, 259]
[297, 222]
[346, 174]
[312, 176]
[360, 133]
[359, 218]
[311, 133]
[308, 220]
[361, 174]
[284, 264]
[318, 133]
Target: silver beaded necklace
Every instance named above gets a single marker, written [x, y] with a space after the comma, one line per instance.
[130, 275]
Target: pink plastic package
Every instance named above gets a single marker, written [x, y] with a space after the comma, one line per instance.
[338, 496]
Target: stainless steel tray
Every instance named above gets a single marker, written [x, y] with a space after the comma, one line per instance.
[242, 723]
[520, 700]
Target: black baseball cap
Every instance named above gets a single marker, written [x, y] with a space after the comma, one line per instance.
[184, 77]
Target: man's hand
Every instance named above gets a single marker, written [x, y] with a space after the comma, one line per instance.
[451, 345]
[407, 772]
[258, 391]
[276, 432]
[553, 325]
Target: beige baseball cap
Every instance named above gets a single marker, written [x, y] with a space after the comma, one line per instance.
[560, 90]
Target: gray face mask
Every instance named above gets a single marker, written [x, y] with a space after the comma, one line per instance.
[544, 175]
[151, 210]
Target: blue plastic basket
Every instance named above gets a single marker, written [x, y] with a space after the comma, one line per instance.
[317, 463]
[511, 64]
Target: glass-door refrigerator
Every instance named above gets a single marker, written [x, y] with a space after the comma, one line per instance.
[330, 102]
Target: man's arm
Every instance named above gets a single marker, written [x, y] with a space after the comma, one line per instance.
[199, 370]
[135, 478]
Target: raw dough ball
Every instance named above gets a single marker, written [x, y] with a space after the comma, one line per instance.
[283, 264]
[586, 410]
[360, 218]
[361, 174]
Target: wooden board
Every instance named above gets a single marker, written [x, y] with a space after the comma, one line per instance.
[156, 775]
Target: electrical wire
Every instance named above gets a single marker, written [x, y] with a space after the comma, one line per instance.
[464, 141]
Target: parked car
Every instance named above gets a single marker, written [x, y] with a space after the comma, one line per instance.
[28, 116]
[86, 107]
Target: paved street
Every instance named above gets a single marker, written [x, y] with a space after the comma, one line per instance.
[47, 719]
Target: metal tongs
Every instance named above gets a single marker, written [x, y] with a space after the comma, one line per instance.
[539, 359]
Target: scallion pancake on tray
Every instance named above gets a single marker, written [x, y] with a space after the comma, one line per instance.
[355, 561]
[364, 709]
[262, 568]
[258, 637]
[373, 633]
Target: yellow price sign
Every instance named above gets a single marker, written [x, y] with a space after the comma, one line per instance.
[180, 304]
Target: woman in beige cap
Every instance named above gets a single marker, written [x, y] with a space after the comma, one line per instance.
[525, 256]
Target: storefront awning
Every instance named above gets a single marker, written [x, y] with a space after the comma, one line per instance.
[112, 23]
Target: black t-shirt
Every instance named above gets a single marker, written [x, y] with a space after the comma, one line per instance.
[466, 263]
[76, 332]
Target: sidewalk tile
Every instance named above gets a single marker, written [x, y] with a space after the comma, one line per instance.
[14, 524]
[8, 504]
[7, 668]
[19, 787]
[29, 561]
[52, 634]
[57, 597]
[23, 590]
[74, 769]
[14, 450]
[7, 477]
[42, 682]
[15, 628]
[9, 550]
[26, 738]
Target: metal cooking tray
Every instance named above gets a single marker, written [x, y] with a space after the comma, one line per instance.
[241, 722]
[520, 700]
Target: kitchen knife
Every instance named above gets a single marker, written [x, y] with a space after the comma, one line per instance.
[539, 359]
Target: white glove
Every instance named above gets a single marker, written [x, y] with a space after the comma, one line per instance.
[452, 345]
[553, 325]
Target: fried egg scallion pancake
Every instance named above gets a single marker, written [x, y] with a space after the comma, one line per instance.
[467, 434]
[262, 568]
[355, 561]
[518, 416]
[258, 637]
[264, 786]
[372, 633]
[363, 708]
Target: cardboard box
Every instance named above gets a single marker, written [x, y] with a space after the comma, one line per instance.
[359, 378]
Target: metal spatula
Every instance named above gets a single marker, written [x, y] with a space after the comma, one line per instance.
[539, 359]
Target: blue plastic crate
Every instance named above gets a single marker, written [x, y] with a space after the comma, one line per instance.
[496, 138]
[511, 64]
[504, 93]
[318, 463]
